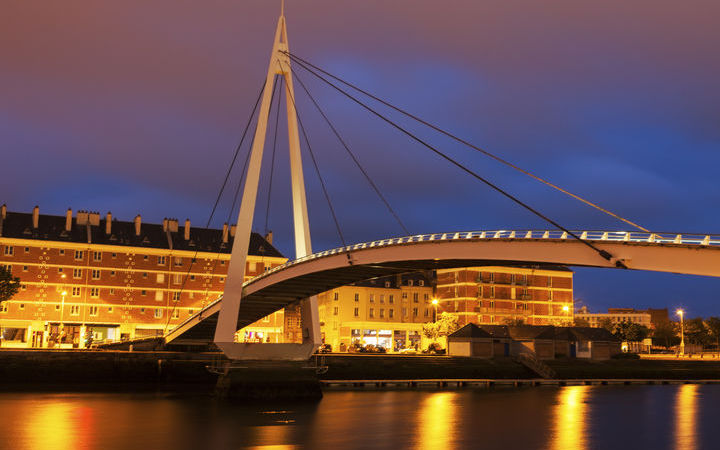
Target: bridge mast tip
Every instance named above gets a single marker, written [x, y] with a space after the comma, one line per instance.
[282, 8]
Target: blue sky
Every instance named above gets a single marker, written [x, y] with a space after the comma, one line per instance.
[136, 107]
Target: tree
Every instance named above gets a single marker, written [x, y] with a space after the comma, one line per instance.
[632, 332]
[9, 285]
[578, 322]
[446, 324]
[696, 332]
[666, 334]
[607, 323]
[713, 325]
[514, 322]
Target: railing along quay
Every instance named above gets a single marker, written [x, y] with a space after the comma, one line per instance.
[496, 382]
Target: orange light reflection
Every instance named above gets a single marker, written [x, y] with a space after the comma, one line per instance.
[570, 418]
[686, 406]
[437, 421]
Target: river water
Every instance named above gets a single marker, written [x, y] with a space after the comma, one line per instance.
[573, 417]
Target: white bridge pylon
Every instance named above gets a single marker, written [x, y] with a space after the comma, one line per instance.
[227, 320]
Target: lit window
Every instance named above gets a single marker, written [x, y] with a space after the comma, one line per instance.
[178, 261]
[158, 295]
[161, 278]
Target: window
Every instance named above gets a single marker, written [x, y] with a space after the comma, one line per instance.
[405, 312]
[372, 313]
[492, 277]
[177, 278]
[178, 261]
[57, 307]
[335, 311]
[158, 313]
[77, 273]
[382, 313]
[114, 255]
[176, 313]
[3, 308]
[158, 295]
[161, 261]
[391, 313]
[112, 273]
[161, 278]
[426, 297]
[75, 310]
[145, 274]
[7, 267]
[94, 292]
[356, 312]
[110, 309]
[112, 291]
[192, 277]
[9, 250]
[415, 297]
[492, 291]
[372, 298]
[336, 296]
[60, 270]
[404, 295]
[410, 282]
[382, 298]
[22, 306]
[61, 251]
[252, 267]
[93, 311]
[145, 257]
[25, 268]
[421, 282]
[95, 274]
[27, 249]
[76, 291]
[551, 297]
[142, 310]
[78, 254]
[143, 292]
[391, 298]
[176, 296]
[97, 256]
[427, 312]
[357, 297]
[415, 312]
[387, 284]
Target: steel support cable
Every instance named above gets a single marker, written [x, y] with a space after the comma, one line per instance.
[317, 169]
[354, 158]
[468, 144]
[272, 160]
[219, 196]
[601, 252]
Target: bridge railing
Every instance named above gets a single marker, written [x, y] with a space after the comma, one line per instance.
[597, 236]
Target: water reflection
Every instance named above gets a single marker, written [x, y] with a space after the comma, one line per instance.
[437, 421]
[686, 406]
[570, 419]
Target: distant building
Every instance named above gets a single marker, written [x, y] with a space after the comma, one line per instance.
[615, 315]
[500, 295]
[388, 312]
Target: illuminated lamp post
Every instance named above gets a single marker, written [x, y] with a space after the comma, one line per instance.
[681, 313]
[566, 309]
[435, 305]
[63, 294]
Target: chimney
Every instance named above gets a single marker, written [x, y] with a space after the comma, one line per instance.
[165, 224]
[82, 217]
[268, 237]
[36, 216]
[94, 218]
[172, 225]
[3, 211]
[108, 223]
[68, 220]
[225, 233]
[187, 229]
[137, 224]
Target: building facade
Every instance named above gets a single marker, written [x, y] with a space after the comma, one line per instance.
[386, 312]
[85, 280]
[615, 316]
[501, 295]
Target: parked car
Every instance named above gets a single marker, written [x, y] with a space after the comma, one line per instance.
[434, 349]
[325, 348]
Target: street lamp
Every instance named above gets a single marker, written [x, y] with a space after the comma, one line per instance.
[566, 309]
[681, 313]
[435, 304]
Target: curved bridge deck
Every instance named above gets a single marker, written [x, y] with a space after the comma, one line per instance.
[319, 272]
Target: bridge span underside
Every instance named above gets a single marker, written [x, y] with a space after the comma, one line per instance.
[320, 272]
